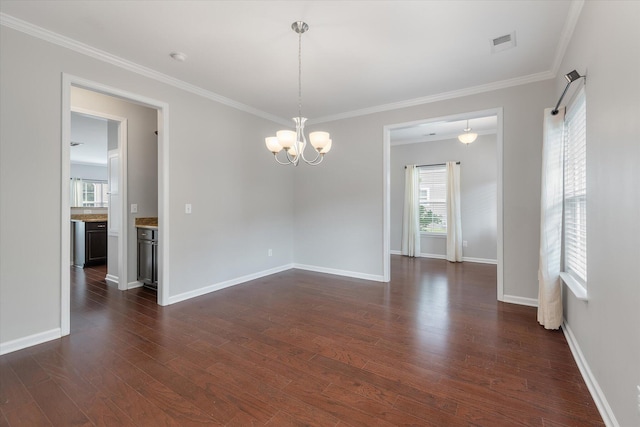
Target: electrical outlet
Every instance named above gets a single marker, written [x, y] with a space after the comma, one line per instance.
[88, 211]
[270, 252]
[187, 208]
[464, 243]
[638, 397]
[134, 208]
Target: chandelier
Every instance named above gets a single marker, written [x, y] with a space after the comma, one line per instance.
[467, 137]
[294, 143]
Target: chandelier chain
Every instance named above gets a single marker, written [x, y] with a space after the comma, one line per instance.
[300, 74]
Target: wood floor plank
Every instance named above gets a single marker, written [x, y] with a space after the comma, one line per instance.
[27, 415]
[56, 405]
[431, 348]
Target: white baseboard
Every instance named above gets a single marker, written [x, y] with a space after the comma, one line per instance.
[227, 283]
[480, 260]
[354, 274]
[513, 299]
[31, 340]
[439, 256]
[134, 284]
[110, 278]
[433, 256]
[592, 384]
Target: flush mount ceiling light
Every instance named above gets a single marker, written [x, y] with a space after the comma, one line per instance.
[178, 56]
[467, 137]
[294, 143]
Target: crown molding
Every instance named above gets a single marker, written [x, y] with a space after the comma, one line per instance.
[567, 32]
[69, 43]
[474, 90]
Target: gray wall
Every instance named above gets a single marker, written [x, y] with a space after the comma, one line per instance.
[339, 207]
[606, 46]
[478, 193]
[89, 172]
[217, 162]
[142, 163]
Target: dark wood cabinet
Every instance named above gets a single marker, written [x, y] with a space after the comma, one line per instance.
[90, 243]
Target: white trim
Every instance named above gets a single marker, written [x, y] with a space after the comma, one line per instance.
[480, 260]
[503, 84]
[465, 259]
[578, 290]
[592, 384]
[134, 284]
[85, 49]
[567, 31]
[500, 207]
[386, 203]
[65, 208]
[122, 177]
[346, 273]
[227, 283]
[111, 279]
[30, 340]
[386, 173]
[514, 299]
[433, 256]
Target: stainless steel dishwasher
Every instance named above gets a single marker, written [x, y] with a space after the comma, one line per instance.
[148, 257]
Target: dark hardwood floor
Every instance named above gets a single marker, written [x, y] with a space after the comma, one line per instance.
[431, 348]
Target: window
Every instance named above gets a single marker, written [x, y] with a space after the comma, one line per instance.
[94, 193]
[433, 199]
[575, 191]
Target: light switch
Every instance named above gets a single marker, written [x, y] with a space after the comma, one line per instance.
[187, 208]
[134, 208]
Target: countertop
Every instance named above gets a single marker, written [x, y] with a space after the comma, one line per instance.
[147, 222]
[89, 218]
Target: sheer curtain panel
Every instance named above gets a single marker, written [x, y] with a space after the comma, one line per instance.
[77, 189]
[411, 217]
[549, 285]
[454, 221]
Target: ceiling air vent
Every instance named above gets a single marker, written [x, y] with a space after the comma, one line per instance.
[503, 42]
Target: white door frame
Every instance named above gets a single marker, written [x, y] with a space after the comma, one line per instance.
[163, 192]
[122, 177]
[386, 167]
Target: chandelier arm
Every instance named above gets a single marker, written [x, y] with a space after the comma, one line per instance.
[288, 162]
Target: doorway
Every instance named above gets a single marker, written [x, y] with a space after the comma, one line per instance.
[394, 128]
[98, 184]
[126, 234]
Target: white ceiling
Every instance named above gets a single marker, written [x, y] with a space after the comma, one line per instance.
[92, 136]
[357, 55]
[443, 129]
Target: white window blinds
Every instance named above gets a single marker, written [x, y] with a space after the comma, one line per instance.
[575, 190]
[433, 199]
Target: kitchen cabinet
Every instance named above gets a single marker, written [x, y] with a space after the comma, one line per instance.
[89, 243]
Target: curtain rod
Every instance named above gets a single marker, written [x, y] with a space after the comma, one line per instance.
[571, 77]
[435, 164]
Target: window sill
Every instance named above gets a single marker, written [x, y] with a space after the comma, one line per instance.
[578, 290]
[438, 235]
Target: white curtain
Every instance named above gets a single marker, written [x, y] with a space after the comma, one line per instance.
[411, 218]
[76, 192]
[549, 286]
[454, 222]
